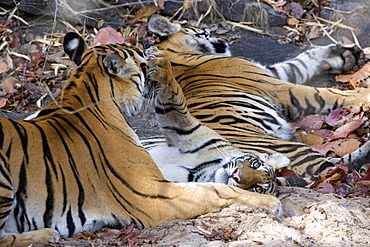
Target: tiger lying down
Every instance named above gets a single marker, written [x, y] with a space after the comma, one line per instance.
[247, 105]
[79, 166]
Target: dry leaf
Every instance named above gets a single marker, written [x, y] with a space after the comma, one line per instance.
[324, 133]
[3, 102]
[8, 85]
[292, 21]
[144, 13]
[108, 35]
[325, 188]
[283, 172]
[308, 138]
[324, 148]
[354, 78]
[311, 122]
[313, 33]
[333, 118]
[3, 66]
[346, 129]
[346, 147]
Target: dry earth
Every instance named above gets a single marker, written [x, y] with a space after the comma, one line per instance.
[309, 219]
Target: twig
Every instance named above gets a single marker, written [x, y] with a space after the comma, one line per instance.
[235, 24]
[337, 23]
[325, 31]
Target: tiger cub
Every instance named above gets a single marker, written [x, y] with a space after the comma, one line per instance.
[194, 153]
[79, 166]
[248, 105]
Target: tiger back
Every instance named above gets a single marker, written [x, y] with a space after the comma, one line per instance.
[79, 166]
[246, 103]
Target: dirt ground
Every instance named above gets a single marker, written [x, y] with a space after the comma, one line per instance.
[309, 219]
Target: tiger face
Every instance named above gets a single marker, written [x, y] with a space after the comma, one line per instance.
[124, 63]
[252, 172]
[198, 40]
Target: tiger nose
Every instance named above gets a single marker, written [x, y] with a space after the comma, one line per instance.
[236, 175]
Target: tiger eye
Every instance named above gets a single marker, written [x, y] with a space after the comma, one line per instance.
[258, 189]
[255, 164]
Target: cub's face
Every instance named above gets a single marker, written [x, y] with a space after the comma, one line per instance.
[252, 172]
[200, 40]
[186, 39]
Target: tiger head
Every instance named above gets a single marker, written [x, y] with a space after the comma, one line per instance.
[186, 39]
[125, 64]
[252, 172]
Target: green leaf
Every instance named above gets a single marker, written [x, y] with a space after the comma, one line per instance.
[127, 31]
[100, 23]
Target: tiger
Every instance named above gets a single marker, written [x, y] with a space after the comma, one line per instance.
[193, 152]
[79, 166]
[249, 104]
[202, 155]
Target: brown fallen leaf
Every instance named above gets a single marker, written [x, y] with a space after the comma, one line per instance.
[346, 129]
[308, 138]
[325, 188]
[324, 133]
[346, 147]
[3, 102]
[324, 148]
[8, 85]
[311, 122]
[108, 35]
[334, 116]
[3, 66]
[292, 21]
[86, 235]
[144, 13]
[356, 77]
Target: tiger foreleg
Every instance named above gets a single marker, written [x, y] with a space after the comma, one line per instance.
[28, 238]
[6, 203]
[330, 59]
[170, 103]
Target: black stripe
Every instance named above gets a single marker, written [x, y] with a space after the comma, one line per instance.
[206, 144]
[70, 223]
[23, 136]
[182, 131]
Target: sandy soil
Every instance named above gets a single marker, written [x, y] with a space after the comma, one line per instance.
[309, 219]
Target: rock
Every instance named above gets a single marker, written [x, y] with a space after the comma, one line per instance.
[33, 7]
[239, 10]
[356, 14]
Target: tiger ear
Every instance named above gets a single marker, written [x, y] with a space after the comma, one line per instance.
[113, 63]
[161, 26]
[74, 46]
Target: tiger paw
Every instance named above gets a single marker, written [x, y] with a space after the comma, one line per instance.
[343, 59]
[260, 200]
[28, 238]
[160, 70]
